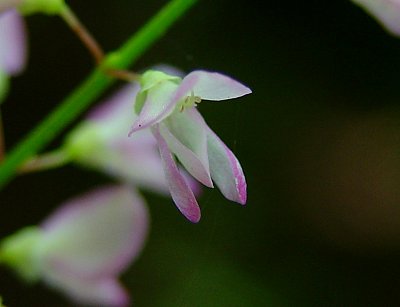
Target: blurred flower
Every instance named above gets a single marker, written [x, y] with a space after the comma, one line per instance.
[101, 142]
[12, 47]
[167, 104]
[12, 42]
[82, 247]
[387, 12]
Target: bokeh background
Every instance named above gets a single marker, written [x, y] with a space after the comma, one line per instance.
[319, 140]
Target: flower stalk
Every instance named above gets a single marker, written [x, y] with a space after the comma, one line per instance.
[91, 88]
[84, 35]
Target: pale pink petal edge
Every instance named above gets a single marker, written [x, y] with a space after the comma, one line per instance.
[180, 190]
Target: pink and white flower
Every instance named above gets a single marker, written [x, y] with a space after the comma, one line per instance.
[166, 103]
[83, 247]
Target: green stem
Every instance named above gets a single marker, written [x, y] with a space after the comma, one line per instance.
[91, 88]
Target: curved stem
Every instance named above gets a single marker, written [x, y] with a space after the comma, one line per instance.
[91, 88]
[84, 35]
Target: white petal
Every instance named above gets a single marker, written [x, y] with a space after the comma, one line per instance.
[188, 141]
[96, 235]
[156, 107]
[225, 168]
[210, 86]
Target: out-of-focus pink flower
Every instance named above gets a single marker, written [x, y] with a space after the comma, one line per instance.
[82, 247]
[12, 42]
[167, 103]
[101, 142]
[387, 12]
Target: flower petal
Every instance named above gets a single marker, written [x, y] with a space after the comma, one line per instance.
[117, 109]
[188, 141]
[387, 13]
[179, 188]
[133, 160]
[155, 108]
[12, 42]
[96, 235]
[210, 86]
[102, 292]
[225, 168]
[101, 143]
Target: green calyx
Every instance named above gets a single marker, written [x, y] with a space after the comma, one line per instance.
[49, 7]
[82, 142]
[152, 79]
[18, 252]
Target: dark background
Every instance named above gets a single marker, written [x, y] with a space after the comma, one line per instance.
[319, 141]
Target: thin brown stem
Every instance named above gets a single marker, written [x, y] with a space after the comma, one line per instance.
[84, 35]
[124, 75]
[94, 48]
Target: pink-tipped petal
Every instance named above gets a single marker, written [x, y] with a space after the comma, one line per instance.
[210, 86]
[387, 13]
[96, 235]
[179, 188]
[225, 168]
[155, 108]
[12, 42]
